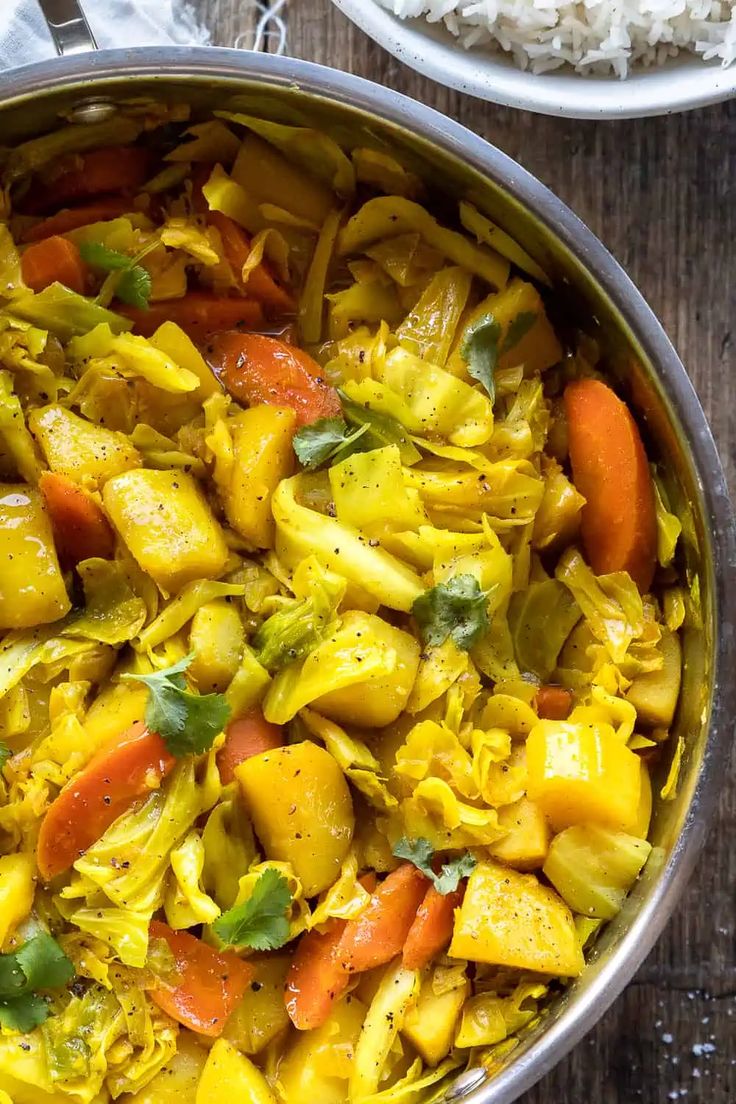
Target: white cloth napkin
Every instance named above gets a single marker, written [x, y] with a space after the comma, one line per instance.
[24, 36]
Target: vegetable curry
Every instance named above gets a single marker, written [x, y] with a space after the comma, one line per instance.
[339, 622]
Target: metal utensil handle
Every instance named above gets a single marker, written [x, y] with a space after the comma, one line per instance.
[69, 28]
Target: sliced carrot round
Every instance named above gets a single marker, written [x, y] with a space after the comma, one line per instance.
[431, 930]
[609, 467]
[259, 369]
[379, 933]
[198, 313]
[98, 795]
[247, 736]
[206, 986]
[316, 977]
[80, 528]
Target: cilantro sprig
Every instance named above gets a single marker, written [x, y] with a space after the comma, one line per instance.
[421, 853]
[5, 753]
[381, 429]
[457, 608]
[187, 723]
[325, 439]
[482, 347]
[39, 964]
[260, 922]
[132, 282]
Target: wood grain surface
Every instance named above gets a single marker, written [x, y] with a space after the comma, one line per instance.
[661, 194]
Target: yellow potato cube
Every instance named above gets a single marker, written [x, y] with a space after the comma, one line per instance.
[164, 519]
[264, 456]
[583, 772]
[229, 1075]
[79, 449]
[301, 809]
[318, 1063]
[177, 1081]
[261, 1014]
[32, 590]
[655, 695]
[510, 919]
[526, 842]
[430, 1024]
[17, 885]
[217, 638]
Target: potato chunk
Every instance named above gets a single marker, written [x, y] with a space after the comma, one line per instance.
[317, 1064]
[583, 772]
[510, 919]
[654, 695]
[166, 523]
[264, 456]
[217, 638]
[79, 449]
[261, 1014]
[526, 842]
[17, 886]
[301, 809]
[229, 1075]
[176, 1082]
[593, 868]
[430, 1024]
[32, 590]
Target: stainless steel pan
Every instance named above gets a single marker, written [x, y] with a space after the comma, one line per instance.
[595, 293]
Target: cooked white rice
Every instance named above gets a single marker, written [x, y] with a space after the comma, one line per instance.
[595, 36]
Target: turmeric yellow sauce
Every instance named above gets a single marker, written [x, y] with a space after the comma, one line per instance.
[339, 619]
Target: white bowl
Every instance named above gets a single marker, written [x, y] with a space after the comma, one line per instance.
[683, 83]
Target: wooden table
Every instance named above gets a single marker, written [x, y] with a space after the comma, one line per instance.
[659, 193]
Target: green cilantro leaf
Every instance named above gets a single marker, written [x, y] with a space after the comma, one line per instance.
[260, 922]
[5, 753]
[381, 429]
[457, 608]
[520, 327]
[100, 256]
[44, 963]
[480, 351]
[453, 872]
[326, 439]
[187, 723]
[420, 853]
[23, 1013]
[133, 285]
[39, 964]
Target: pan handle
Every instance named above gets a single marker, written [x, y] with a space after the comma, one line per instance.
[69, 28]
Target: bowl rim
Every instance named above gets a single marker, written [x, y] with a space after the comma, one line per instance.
[432, 51]
[205, 64]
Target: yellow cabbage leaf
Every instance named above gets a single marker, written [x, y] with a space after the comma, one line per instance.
[301, 532]
[135, 356]
[389, 216]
